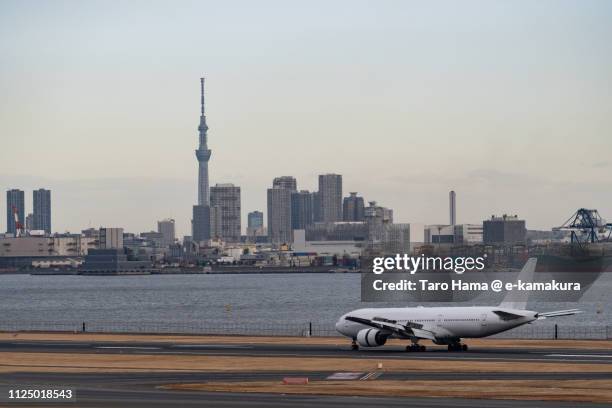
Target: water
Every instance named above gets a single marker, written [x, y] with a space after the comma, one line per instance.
[214, 300]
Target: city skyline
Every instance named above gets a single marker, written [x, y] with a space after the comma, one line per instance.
[95, 121]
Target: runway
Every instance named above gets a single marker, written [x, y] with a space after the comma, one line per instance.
[310, 350]
[141, 389]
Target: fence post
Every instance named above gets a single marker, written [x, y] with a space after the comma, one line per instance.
[83, 327]
[556, 331]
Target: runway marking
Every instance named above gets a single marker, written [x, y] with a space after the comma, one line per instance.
[391, 357]
[31, 343]
[371, 376]
[344, 376]
[211, 346]
[128, 347]
[580, 355]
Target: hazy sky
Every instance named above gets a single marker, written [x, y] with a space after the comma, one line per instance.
[507, 102]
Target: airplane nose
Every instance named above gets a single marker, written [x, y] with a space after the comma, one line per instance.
[340, 325]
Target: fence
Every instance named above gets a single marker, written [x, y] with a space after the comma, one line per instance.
[304, 329]
[558, 332]
[245, 329]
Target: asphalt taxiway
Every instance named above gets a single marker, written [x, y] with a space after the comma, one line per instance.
[142, 389]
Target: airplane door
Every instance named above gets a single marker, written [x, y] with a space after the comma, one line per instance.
[483, 319]
[439, 320]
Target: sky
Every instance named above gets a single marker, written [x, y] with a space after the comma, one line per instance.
[507, 103]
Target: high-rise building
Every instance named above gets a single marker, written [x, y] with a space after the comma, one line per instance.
[279, 216]
[225, 200]
[255, 225]
[42, 210]
[317, 215]
[377, 218]
[15, 205]
[353, 208]
[452, 197]
[215, 223]
[301, 209]
[255, 219]
[286, 182]
[111, 238]
[280, 220]
[166, 229]
[200, 222]
[330, 194]
[29, 223]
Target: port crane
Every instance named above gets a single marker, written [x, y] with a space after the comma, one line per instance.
[18, 224]
[586, 226]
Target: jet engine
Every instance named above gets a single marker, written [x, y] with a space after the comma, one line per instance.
[371, 338]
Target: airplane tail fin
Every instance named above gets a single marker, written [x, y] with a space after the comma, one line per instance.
[518, 299]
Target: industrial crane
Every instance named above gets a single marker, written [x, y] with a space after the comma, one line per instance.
[18, 224]
[586, 226]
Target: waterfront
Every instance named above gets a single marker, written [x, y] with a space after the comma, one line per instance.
[209, 301]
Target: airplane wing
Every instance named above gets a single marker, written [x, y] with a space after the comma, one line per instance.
[408, 330]
[558, 313]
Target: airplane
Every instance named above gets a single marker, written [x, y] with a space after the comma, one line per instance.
[442, 325]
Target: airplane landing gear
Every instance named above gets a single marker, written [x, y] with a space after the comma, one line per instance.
[415, 347]
[354, 345]
[457, 347]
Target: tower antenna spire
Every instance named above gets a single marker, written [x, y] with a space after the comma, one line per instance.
[202, 92]
[203, 154]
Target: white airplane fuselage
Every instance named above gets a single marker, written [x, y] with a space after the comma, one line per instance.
[448, 323]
